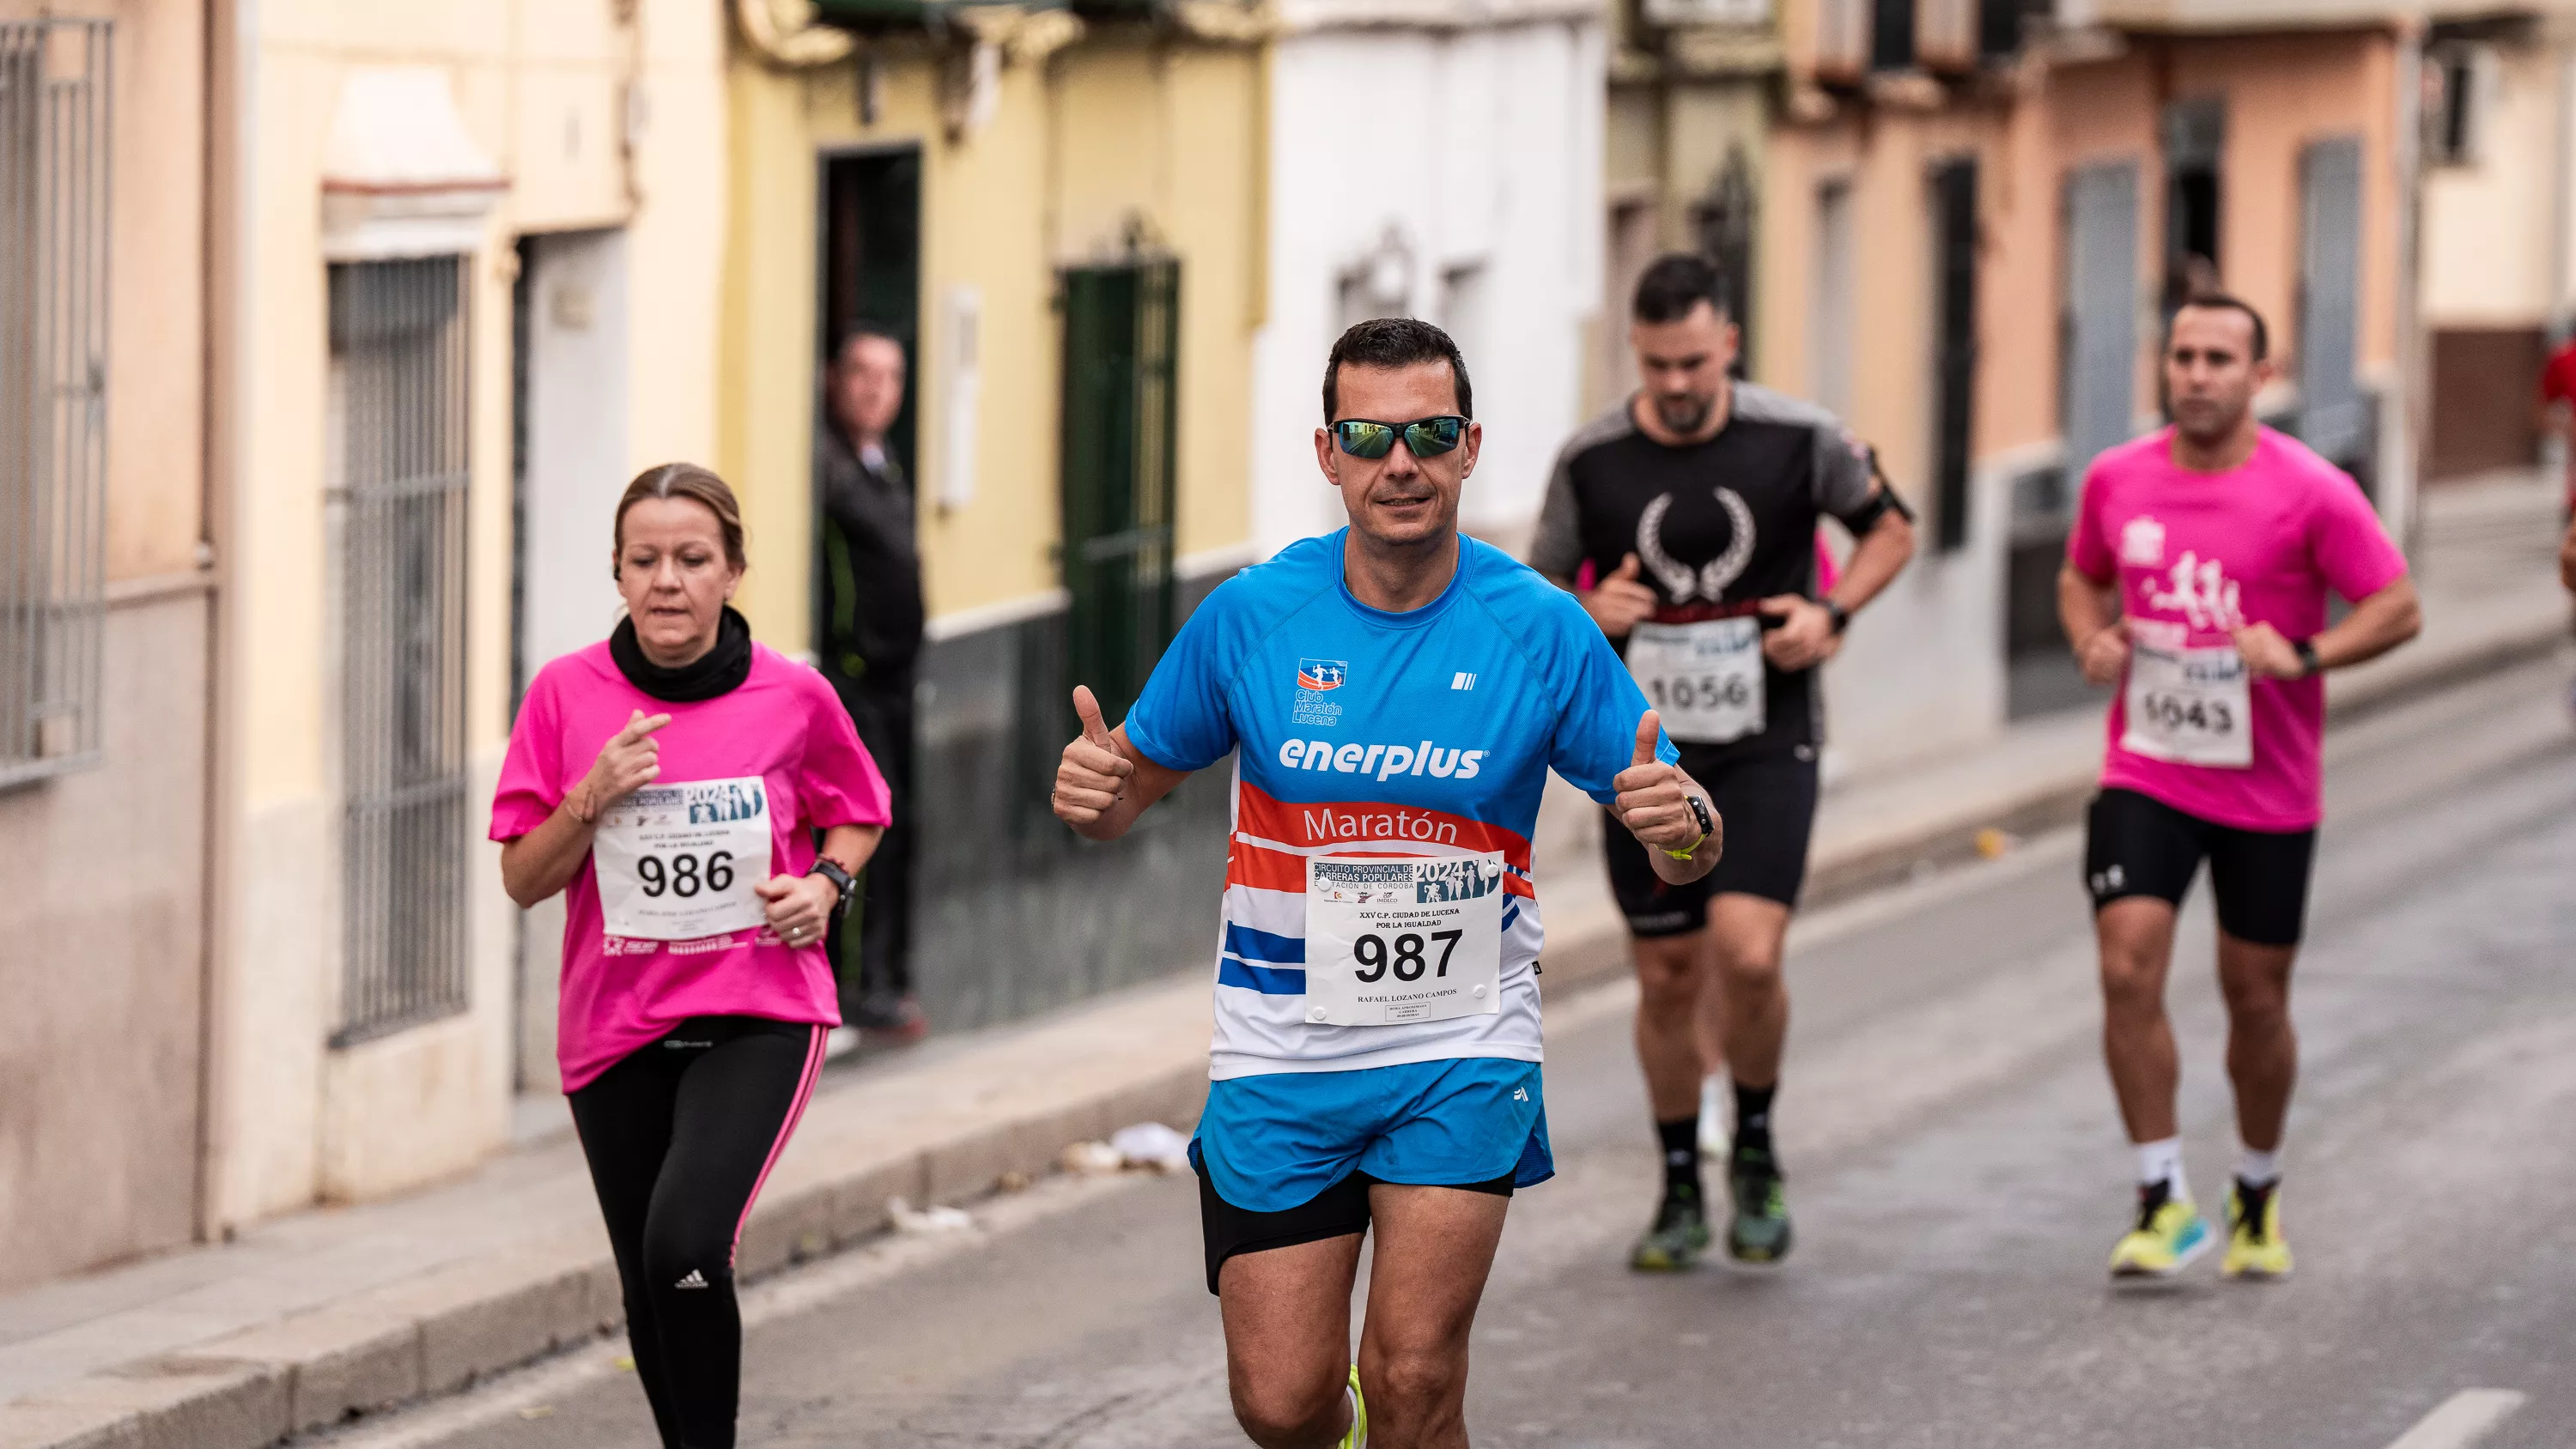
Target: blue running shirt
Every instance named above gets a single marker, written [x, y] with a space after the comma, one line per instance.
[1430, 732]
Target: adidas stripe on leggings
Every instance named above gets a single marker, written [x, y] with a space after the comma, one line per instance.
[680, 1135]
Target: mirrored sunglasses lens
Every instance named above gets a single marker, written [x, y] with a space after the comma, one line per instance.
[1432, 436]
[1365, 440]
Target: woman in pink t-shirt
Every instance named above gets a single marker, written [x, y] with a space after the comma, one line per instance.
[669, 782]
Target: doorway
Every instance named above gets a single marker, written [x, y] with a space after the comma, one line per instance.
[569, 466]
[869, 252]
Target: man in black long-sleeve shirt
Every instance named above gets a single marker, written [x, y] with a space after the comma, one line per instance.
[867, 640]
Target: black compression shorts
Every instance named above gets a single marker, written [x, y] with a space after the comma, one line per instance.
[2135, 845]
[1337, 1211]
[1767, 805]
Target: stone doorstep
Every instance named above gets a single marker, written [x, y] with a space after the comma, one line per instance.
[440, 1331]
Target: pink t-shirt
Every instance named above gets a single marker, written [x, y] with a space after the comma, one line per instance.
[2197, 553]
[783, 724]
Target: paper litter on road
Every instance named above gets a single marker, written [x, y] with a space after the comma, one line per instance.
[927, 1220]
[1151, 1145]
[1091, 1158]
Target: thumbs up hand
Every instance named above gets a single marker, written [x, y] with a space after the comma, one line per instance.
[1654, 798]
[1620, 600]
[1093, 775]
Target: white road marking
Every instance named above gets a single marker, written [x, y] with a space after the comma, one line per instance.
[2462, 1420]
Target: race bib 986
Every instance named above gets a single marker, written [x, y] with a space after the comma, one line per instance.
[677, 862]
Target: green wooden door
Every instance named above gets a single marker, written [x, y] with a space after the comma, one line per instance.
[1121, 344]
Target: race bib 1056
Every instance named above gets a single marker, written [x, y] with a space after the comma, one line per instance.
[677, 862]
[1704, 679]
[1397, 939]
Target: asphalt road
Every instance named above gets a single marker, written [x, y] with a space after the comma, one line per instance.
[1958, 1177]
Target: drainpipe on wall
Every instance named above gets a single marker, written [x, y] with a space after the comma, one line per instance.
[2402, 431]
[2562, 159]
[230, 36]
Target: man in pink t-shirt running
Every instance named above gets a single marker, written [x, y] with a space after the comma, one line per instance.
[2196, 579]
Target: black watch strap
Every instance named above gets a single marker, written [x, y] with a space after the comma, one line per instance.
[830, 870]
[2307, 652]
[1841, 615]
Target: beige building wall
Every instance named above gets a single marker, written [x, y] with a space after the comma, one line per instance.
[543, 91]
[1121, 133]
[102, 925]
[2488, 249]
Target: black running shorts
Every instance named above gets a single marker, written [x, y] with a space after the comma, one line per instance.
[1767, 804]
[1337, 1211]
[2135, 845]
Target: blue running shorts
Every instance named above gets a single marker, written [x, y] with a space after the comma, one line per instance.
[1287, 1157]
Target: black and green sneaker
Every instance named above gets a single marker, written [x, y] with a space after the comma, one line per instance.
[1679, 1236]
[1759, 1230]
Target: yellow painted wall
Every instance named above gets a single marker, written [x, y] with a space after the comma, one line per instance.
[1117, 129]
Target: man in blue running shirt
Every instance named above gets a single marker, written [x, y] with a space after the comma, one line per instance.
[1394, 696]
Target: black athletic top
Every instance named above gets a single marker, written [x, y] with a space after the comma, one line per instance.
[1716, 526]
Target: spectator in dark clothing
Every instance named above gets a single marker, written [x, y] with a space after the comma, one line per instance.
[868, 639]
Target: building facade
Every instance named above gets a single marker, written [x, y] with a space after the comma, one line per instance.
[1501, 103]
[2499, 227]
[1975, 220]
[106, 625]
[1061, 211]
[472, 253]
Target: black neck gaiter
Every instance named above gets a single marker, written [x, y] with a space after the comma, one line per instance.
[718, 671]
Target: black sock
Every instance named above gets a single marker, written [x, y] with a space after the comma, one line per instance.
[1753, 1118]
[1681, 1154]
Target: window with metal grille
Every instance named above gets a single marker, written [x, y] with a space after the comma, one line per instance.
[398, 450]
[1121, 354]
[54, 92]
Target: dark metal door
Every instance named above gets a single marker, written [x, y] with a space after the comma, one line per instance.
[2333, 417]
[1121, 347]
[2099, 350]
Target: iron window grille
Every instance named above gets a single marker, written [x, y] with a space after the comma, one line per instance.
[398, 378]
[55, 83]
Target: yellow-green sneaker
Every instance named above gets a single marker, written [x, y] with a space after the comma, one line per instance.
[1358, 1437]
[2170, 1233]
[2255, 1247]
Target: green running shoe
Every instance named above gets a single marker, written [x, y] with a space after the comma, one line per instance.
[1759, 1230]
[1357, 1438]
[1679, 1236]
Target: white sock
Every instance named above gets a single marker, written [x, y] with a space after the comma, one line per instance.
[2162, 1162]
[2258, 1169]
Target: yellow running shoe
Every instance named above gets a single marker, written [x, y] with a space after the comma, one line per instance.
[2170, 1233]
[2255, 1247]
[1358, 1437]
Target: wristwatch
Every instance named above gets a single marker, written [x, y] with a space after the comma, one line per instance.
[1841, 615]
[2307, 652]
[842, 882]
[1699, 812]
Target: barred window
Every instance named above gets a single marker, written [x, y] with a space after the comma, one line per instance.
[54, 84]
[398, 408]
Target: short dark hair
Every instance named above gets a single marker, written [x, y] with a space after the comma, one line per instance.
[1394, 342]
[2221, 302]
[1675, 283]
[851, 335]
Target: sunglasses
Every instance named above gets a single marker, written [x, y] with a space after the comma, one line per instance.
[1427, 437]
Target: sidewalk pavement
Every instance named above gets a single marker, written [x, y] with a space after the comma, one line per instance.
[305, 1320]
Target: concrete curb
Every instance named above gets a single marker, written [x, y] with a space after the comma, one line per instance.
[443, 1330]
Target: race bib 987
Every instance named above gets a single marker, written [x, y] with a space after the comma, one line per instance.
[1396, 939]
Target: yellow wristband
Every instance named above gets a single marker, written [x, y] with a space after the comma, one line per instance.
[1687, 851]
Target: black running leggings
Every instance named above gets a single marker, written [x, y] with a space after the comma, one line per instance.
[680, 1135]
